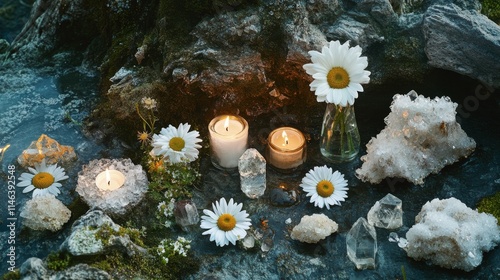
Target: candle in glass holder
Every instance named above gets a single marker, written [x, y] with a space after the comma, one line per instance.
[286, 148]
[228, 140]
[110, 180]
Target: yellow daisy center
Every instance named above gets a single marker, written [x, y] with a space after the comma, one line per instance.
[325, 188]
[338, 77]
[143, 137]
[177, 144]
[42, 180]
[226, 222]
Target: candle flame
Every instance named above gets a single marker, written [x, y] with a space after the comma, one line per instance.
[285, 136]
[108, 179]
[226, 124]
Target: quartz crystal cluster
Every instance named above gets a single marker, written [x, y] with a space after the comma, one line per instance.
[116, 202]
[45, 213]
[449, 234]
[314, 228]
[421, 137]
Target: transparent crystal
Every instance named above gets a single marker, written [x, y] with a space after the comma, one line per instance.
[386, 213]
[361, 244]
[186, 214]
[393, 237]
[252, 169]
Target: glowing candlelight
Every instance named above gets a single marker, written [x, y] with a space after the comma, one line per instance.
[228, 140]
[110, 180]
[286, 148]
[285, 138]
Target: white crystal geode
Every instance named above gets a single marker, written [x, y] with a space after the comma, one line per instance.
[449, 234]
[421, 137]
[314, 228]
[45, 213]
[112, 202]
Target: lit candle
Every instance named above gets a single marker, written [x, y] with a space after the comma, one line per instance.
[228, 140]
[110, 180]
[286, 148]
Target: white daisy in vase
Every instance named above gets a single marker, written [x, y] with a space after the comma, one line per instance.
[43, 179]
[227, 223]
[177, 144]
[338, 72]
[324, 186]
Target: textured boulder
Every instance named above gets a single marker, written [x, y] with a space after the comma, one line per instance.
[449, 234]
[33, 269]
[81, 272]
[95, 233]
[463, 41]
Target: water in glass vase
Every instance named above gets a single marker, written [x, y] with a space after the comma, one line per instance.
[339, 140]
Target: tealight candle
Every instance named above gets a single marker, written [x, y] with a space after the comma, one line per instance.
[110, 180]
[286, 148]
[228, 140]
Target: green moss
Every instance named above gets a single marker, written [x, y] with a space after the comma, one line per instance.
[58, 261]
[491, 9]
[105, 232]
[150, 267]
[491, 205]
[11, 275]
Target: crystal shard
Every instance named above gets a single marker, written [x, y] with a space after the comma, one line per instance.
[186, 214]
[252, 169]
[361, 244]
[386, 213]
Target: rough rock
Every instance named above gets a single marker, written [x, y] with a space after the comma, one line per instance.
[81, 272]
[115, 202]
[33, 269]
[449, 31]
[314, 228]
[421, 137]
[45, 213]
[48, 149]
[252, 169]
[449, 234]
[83, 241]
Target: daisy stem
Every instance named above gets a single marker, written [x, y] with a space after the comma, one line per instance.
[143, 119]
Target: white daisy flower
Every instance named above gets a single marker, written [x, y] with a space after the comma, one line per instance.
[227, 223]
[148, 103]
[43, 179]
[177, 144]
[324, 186]
[338, 73]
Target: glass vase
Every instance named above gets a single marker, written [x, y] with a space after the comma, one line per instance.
[339, 134]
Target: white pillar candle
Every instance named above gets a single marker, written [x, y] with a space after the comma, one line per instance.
[110, 180]
[286, 148]
[228, 140]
